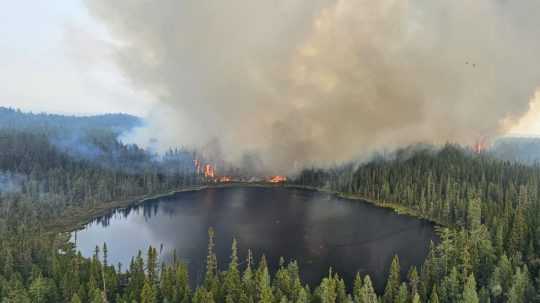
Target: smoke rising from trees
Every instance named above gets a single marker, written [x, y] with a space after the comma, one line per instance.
[304, 81]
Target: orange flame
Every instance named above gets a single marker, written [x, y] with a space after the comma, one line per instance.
[209, 171]
[277, 179]
[480, 146]
[225, 179]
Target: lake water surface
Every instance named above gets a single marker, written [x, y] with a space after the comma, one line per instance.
[317, 229]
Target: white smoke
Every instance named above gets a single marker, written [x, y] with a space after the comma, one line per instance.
[303, 81]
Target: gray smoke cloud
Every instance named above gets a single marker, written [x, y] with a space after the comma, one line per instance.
[316, 81]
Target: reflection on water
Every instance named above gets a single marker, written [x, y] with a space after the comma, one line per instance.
[318, 230]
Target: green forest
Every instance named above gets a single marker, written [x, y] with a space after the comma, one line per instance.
[487, 208]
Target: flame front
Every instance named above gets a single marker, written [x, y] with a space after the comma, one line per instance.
[225, 179]
[480, 146]
[209, 171]
[277, 179]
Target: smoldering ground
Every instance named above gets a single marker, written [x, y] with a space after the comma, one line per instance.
[303, 81]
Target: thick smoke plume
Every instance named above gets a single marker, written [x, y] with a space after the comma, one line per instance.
[303, 81]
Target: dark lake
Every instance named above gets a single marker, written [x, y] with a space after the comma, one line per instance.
[317, 229]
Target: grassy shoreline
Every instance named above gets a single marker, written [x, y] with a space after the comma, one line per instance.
[76, 218]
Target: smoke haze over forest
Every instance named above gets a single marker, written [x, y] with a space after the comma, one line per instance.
[303, 81]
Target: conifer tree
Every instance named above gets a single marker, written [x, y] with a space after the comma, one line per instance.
[75, 299]
[233, 283]
[474, 214]
[328, 289]
[402, 295]
[414, 282]
[302, 297]
[517, 293]
[38, 290]
[264, 288]
[211, 279]
[469, 291]
[341, 290]
[357, 288]
[393, 282]
[518, 232]
[148, 292]
[97, 296]
[248, 277]
[434, 296]
[152, 265]
[368, 295]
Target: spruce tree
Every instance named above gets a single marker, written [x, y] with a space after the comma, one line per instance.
[232, 284]
[75, 299]
[520, 285]
[474, 214]
[402, 295]
[368, 295]
[357, 289]
[264, 288]
[393, 282]
[434, 298]
[211, 279]
[328, 289]
[148, 293]
[413, 281]
[469, 291]
[248, 277]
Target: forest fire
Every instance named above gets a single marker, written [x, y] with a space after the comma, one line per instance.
[480, 146]
[210, 174]
[225, 179]
[209, 171]
[277, 179]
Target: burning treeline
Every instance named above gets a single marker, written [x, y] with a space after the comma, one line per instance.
[211, 174]
[316, 81]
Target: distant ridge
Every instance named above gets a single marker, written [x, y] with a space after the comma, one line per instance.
[524, 149]
[16, 119]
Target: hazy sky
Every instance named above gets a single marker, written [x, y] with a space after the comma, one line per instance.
[55, 57]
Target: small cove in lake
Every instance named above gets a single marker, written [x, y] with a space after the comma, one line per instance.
[318, 230]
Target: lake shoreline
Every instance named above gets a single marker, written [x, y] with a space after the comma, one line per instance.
[76, 219]
[318, 228]
[397, 208]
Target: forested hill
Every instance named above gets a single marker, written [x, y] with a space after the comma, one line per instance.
[42, 122]
[492, 207]
[438, 183]
[50, 163]
[83, 137]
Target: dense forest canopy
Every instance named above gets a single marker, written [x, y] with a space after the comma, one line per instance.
[488, 209]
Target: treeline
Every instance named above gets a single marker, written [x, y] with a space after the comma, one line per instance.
[37, 175]
[491, 206]
[59, 274]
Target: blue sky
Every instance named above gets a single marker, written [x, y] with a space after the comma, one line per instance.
[55, 57]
